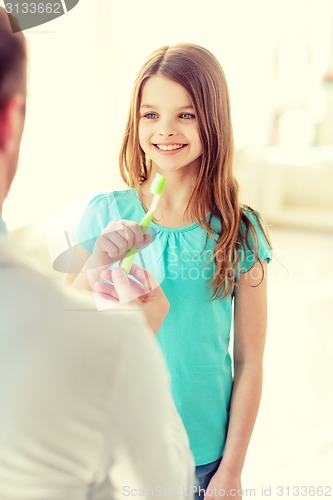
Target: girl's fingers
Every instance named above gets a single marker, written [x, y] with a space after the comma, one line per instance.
[147, 280]
[120, 242]
[120, 236]
[108, 247]
[106, 275]
[144, 277]
[126, 228]
[125, 234]
[124, 289]
[106, 289]
[113, 227]
[106, 297]
[137, 289]
[122, 285]
[147, 238]
[136, 231]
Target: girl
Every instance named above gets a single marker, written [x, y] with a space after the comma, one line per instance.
[209, 251]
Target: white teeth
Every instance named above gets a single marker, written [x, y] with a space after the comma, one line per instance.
[170, 147]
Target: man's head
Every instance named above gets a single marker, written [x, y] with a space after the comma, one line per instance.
[13, 62]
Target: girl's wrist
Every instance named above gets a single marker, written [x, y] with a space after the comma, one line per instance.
[229, 469]
[92, 265]
[89, 264]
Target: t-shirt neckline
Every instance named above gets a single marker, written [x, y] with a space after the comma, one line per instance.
[166, 229]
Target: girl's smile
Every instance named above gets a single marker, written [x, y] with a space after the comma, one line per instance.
[169, 148]
[168, 127]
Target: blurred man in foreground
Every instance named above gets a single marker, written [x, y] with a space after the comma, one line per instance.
[81, 391]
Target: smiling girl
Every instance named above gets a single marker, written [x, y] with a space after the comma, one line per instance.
[212, 250]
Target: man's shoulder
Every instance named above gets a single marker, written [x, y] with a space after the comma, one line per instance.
[38, 298]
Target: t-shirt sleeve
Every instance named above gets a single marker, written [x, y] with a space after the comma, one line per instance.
[101, 210]
[264, 248]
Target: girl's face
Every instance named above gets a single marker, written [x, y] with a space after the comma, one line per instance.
[168, 127]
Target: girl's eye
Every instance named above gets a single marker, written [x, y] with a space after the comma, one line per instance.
[150, 116]
[187, 116]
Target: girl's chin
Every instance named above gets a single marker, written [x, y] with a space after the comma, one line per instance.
[169, 164]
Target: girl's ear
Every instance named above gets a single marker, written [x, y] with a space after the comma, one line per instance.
[12, 116]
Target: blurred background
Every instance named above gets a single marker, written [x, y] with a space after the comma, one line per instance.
[278, 59]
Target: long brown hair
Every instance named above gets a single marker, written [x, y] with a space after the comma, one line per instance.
[215, 189]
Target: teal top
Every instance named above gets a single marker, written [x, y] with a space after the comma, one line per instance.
[194, 337]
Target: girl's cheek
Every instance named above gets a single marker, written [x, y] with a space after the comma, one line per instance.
[142, 126]
[141, 129]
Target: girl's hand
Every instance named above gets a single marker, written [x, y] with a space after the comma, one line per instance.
[114, 242]
[145, 292]
[224, 485]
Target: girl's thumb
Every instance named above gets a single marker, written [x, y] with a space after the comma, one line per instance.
[118, 273]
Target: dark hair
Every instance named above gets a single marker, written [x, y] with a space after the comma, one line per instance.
[12, 58]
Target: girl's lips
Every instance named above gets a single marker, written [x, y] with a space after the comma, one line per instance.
[169, 152]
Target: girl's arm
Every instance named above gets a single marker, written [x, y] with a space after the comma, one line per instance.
[79, 280]
[112, 245]
[250, 315]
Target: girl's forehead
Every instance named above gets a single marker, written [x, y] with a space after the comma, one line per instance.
[158, 87]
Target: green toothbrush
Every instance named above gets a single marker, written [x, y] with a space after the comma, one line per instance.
[156, 188]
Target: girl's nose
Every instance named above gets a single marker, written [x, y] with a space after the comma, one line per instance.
[166, 128]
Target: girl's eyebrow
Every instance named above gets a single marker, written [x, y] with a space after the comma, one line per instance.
[189, 106]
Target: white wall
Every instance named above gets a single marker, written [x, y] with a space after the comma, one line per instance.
[67, 148]
[83, 64]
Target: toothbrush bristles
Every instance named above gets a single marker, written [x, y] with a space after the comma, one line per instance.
[158, 184]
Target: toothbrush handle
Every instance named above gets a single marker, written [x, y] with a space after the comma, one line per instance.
[145, 221]
[130, 255]
[128, 260]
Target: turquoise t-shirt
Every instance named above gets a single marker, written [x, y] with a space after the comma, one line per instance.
[194, 337]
